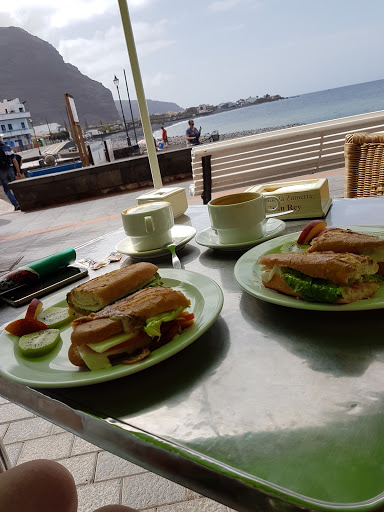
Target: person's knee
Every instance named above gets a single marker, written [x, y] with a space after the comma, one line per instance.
[42, 485]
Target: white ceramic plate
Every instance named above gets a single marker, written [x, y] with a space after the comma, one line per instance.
[209, 238]
[247, 273]
[54, 370]
[181, 235]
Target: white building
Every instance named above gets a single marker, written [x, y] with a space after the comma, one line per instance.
[47, 129]
[14, 124]
[205, 108]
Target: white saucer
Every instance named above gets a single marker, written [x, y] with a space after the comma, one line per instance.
[209, 238]
[180, 236]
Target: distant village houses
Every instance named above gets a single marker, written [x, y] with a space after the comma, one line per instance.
[14, 124]
[204, 109]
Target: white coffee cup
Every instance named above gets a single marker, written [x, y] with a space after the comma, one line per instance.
[149, 225]
[240, 217]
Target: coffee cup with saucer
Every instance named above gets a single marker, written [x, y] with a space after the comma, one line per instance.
[148, 225]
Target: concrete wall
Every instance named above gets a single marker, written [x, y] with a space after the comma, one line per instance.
[95, 181]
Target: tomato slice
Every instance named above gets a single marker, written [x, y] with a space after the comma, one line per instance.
[185, 323]
[186, 316]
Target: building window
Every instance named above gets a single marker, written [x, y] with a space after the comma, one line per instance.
[10, 127]
[23, 125]
[3, 129]
[21, 109]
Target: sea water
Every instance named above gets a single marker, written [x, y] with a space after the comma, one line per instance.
[306, 108]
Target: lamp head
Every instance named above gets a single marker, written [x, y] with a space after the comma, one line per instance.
[116, 81]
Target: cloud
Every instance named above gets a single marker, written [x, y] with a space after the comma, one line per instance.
[223, 5]
[42, 14]
[158, 79]
[232, 28]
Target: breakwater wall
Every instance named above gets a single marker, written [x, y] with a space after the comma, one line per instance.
[98, 180]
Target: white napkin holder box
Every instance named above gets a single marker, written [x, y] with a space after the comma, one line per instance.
[307, 198]
[177, 196]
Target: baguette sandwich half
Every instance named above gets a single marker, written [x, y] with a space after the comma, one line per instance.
[101, 291]
[346, 240]
[335, 278]
[145, 320]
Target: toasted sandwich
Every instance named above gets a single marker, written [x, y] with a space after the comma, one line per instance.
[335, 278]
[346, 240]
[101, 291]
[145, 320]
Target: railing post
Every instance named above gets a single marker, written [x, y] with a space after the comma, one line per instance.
[207, 179]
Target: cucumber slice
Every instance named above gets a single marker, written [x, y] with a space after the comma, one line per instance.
[292, 247]
[55, 317]
[39, 343]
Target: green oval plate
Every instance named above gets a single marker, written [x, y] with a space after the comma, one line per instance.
[54, 370]
[247, 273]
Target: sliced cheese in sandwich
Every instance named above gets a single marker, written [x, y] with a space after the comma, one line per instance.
[321, 277]
[125, 326]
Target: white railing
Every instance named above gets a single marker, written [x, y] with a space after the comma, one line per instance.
[276, 155]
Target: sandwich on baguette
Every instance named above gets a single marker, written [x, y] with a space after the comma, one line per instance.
[101, 291]
[145, 320]
[336, 278]
[346, 240]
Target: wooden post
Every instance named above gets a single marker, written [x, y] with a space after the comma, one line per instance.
[76, 129]
[207, 179]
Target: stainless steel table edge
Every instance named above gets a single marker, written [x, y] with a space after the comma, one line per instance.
[172, 461]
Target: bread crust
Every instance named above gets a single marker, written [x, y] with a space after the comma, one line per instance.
[74, 356]
[353, 293]
[136, 309]
[98, 330]
[345, 240]
[337, 267]
[106, 289]
[143, 304]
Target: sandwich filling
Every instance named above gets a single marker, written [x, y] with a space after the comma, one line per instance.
[145, 320]
[96, 355]
[321, 277]
[314, 289]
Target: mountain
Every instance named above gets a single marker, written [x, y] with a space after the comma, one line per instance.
[154, 107]
[37, 73]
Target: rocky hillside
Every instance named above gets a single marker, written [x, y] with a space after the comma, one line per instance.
[37, 73]
[154, 107]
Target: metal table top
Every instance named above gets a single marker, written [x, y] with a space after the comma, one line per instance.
[271, 409]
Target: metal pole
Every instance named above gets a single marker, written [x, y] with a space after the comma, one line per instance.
[34, 132]
[152, 156]
[130, 106]
[122, 111]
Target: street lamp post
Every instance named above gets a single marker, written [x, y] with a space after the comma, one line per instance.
[116, 82]
[130, 106]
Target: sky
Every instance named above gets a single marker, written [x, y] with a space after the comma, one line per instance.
[213, 51]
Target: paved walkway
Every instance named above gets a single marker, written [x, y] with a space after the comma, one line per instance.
[101, 478]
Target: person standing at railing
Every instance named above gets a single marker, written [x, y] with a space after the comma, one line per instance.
[164, 136]
[8, 163]
[192, 135]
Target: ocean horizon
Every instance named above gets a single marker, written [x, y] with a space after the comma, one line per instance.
[302, 109]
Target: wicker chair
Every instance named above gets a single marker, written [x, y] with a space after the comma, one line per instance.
[364, 165]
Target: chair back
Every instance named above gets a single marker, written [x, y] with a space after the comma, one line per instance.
[364, 165]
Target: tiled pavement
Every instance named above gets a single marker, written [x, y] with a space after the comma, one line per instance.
[101, 478]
